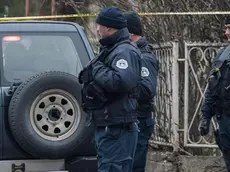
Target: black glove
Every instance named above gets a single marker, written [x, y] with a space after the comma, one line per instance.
[204, 126]
[85, 76]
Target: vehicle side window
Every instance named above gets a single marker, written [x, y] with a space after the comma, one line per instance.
[31, 54]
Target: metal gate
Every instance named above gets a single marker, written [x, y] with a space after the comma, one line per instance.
[197, 65]
[180, 92]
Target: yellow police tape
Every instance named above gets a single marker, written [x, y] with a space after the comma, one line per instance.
[94, 14]
[47, 17]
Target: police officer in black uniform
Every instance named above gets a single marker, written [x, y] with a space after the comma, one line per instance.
[111, 86]
[217, 99]
[148, 90]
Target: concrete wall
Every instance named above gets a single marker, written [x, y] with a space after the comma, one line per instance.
[167, 162]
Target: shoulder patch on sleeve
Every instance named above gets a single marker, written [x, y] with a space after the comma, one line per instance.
[122, 64]
[144, 72]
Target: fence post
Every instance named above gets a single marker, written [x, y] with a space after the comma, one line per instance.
[175, 95]
[186, 93]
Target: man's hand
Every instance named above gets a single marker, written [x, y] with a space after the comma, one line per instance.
[204, 126]
[85, 75]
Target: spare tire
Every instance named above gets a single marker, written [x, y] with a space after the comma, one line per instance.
[45, 116]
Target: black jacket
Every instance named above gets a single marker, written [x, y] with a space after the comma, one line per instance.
[117, 72]
[148, 79]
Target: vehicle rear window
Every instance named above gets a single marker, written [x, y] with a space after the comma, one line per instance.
[26, 55]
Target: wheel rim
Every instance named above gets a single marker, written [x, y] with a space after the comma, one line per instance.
[55, 115]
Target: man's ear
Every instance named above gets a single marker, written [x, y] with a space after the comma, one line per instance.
[111, 30]
[108, 28]
[131, 36]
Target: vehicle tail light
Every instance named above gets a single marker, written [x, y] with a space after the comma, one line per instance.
[11, 38]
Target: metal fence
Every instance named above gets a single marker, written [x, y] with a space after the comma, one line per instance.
[166, 100]
[180, 93]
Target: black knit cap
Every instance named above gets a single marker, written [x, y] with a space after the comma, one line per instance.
[227, 20]
[111, 17]
[133, 23]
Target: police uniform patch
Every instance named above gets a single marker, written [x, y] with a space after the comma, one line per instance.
[122, 64]
[144, 72]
